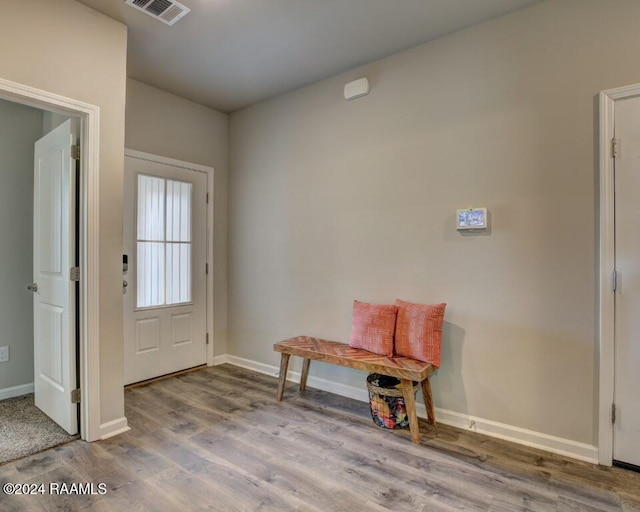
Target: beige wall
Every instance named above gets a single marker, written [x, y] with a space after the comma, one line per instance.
[164, 124]
[63, 47]
[332, 201]
[20, 127]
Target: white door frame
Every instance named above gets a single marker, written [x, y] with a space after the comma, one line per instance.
[89, 354]
[210, 174]
[607, 265]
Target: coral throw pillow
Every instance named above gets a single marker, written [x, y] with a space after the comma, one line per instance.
[419, 331]
[373, 326]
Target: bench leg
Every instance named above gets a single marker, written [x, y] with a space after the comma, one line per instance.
[304, 374]
[284, 364]
[410, 403]
[428, 401]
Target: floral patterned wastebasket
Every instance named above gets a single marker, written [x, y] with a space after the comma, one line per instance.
[386, 401]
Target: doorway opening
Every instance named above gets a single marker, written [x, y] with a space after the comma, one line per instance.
[82, 304]
[30, 419]
[619, 413]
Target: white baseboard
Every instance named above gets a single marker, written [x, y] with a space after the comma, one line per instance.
[267, 369]
[553, 444]
[558, 445]
[113, 428]
[218, 360]
[14, 391]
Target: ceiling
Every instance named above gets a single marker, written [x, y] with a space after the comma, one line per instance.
[229, 54]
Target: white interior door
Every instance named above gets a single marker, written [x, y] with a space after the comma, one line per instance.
[165, 240]
[54, 293]
[626, 441]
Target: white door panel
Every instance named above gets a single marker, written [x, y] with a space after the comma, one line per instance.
[627, 299]
[53, 244]
[165, 235]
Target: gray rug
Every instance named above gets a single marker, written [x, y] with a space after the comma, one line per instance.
[25, 429]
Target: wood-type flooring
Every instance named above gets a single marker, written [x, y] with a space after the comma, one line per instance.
[217, 440]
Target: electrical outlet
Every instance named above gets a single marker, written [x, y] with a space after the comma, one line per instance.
[4, 354]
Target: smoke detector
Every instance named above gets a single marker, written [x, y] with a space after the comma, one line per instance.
[167, 11]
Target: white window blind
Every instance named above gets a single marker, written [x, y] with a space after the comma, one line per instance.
[163, 260]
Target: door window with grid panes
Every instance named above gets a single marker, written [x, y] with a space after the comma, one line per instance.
[163, 242]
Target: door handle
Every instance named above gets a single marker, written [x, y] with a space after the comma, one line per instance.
[33, 287]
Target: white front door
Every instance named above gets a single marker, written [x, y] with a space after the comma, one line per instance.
[626, 440]
[54, 293]
[165, 240]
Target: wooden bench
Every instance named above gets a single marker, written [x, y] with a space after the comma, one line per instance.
[333, 352]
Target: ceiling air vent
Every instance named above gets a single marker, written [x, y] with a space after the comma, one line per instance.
[167, 11]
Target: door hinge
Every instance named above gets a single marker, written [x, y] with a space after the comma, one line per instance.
[74, 274]
[614, 280]
[206, 268]
[613, 413]
[207, 197]
[75, 396]
[75, 152]
[615, 148]
[207, 338]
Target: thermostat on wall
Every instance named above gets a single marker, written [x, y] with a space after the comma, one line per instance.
[471, 218]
